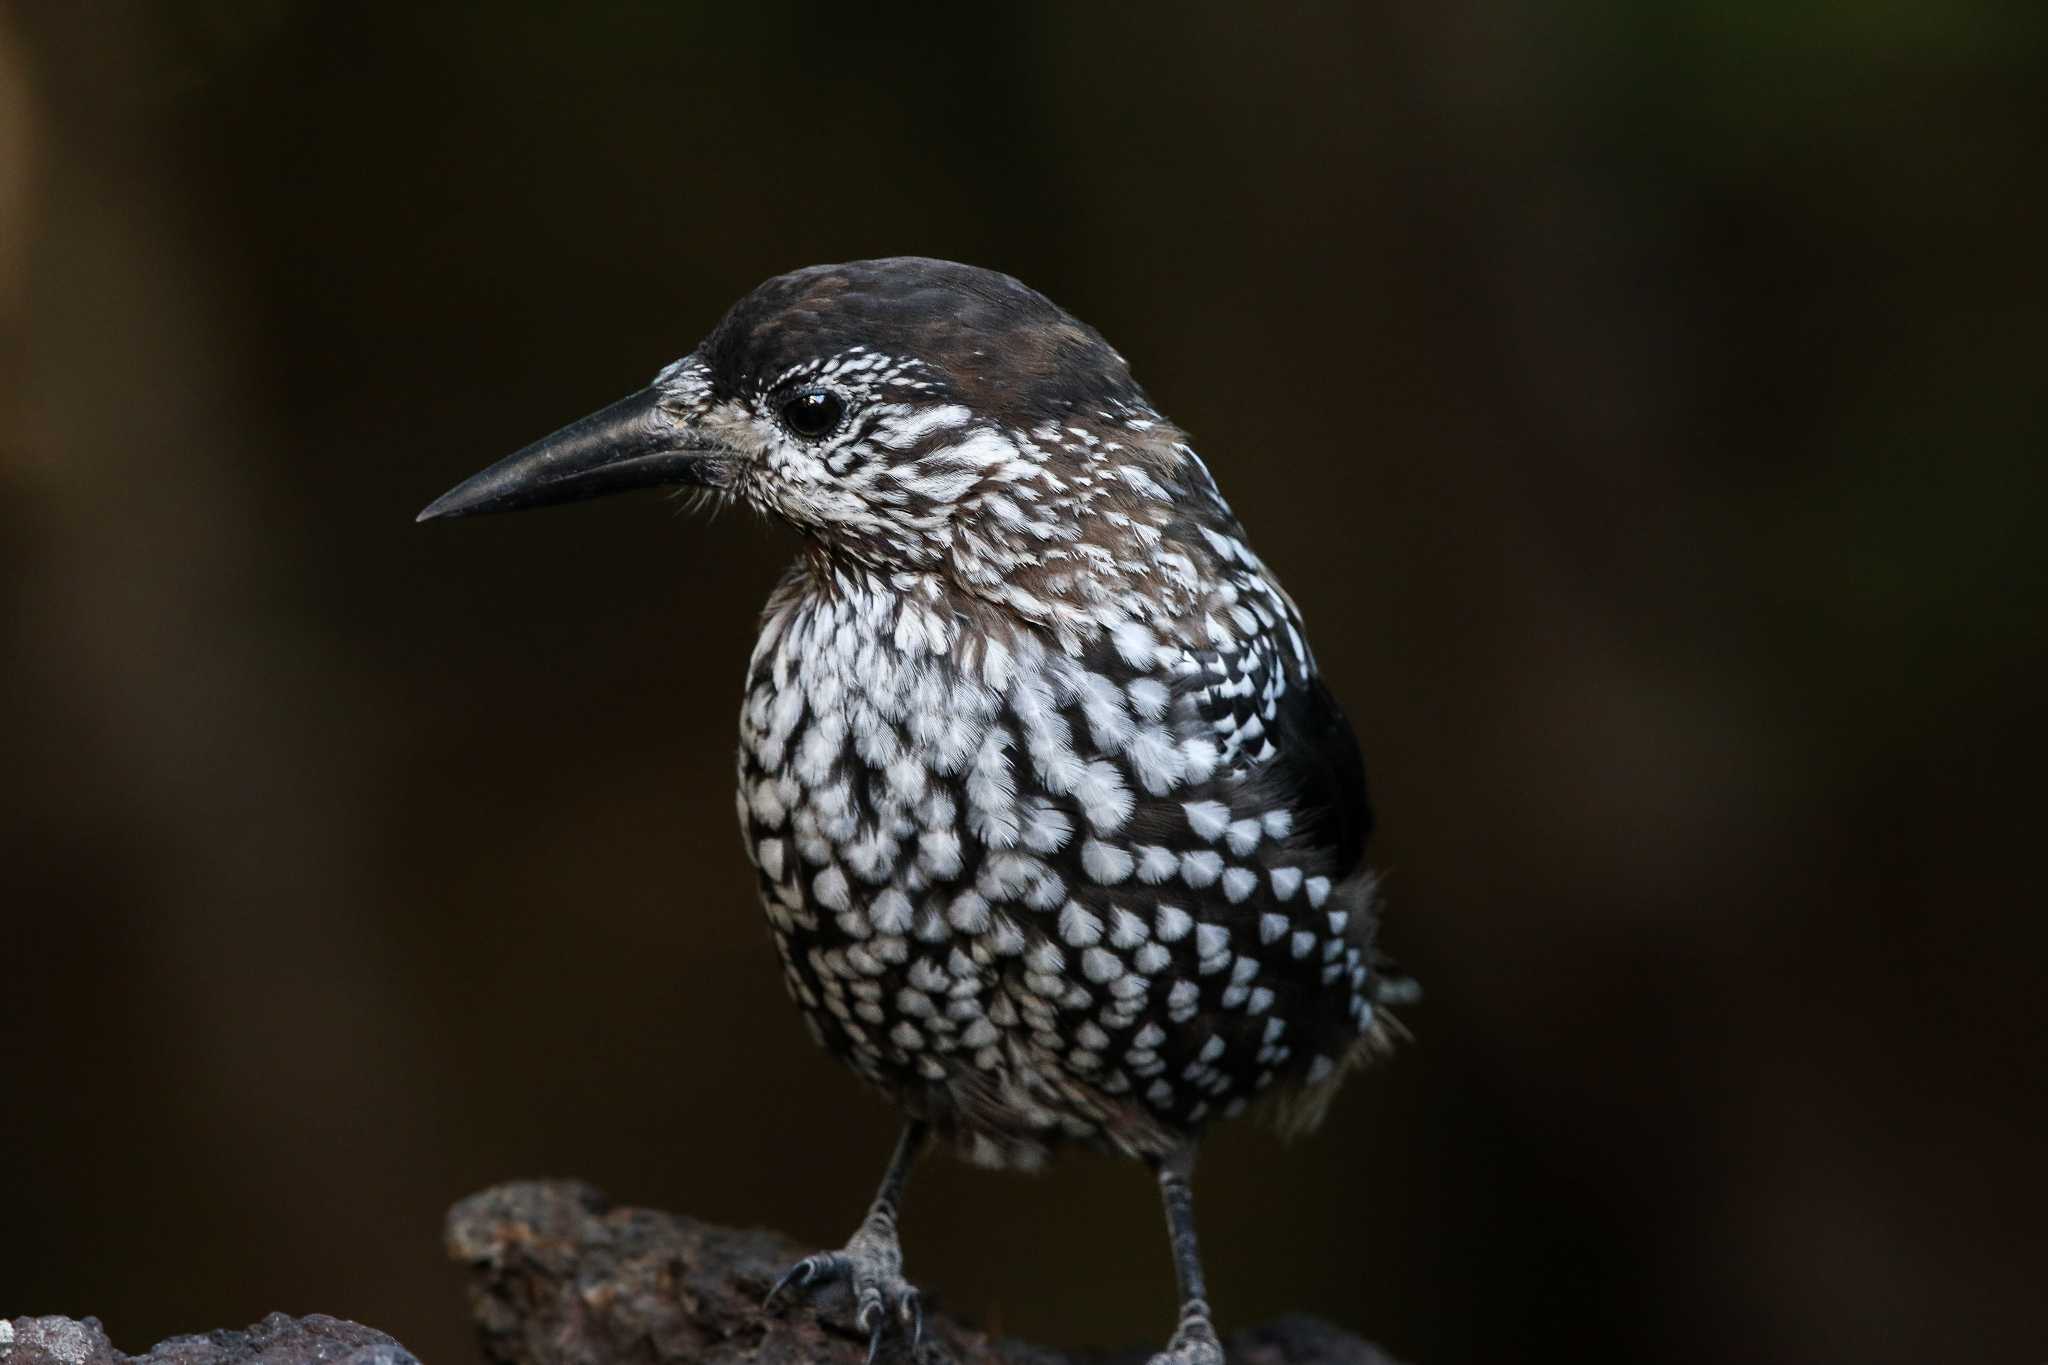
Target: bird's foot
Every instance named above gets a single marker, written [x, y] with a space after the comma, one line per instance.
[1194, 1343]
[872, 1265]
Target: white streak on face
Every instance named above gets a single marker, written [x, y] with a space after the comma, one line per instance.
[984, 449]
[908, 431]
[940, 485]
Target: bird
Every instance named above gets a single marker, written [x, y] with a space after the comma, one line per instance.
[1059, 833]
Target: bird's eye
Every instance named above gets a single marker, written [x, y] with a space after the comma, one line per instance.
[813, 413]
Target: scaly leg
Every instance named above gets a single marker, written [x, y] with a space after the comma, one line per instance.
[1194, 1339]
[872, 1259]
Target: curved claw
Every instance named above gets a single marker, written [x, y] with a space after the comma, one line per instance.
[881, 1295]
[913, 1313]
[801, 1275]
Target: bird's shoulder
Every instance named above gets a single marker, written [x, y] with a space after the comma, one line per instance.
[1269, 740]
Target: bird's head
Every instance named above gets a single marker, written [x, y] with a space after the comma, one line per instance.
[907, 416]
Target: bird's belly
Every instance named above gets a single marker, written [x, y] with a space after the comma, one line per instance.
[872, 879]
[929, 887]
[914, 984]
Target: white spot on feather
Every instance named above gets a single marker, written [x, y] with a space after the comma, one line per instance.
[1105, 863]
[1156, 864]
[1201, 869]
[1208, 819]
[828, 888]
[1078, 926]
[1172, 923]
[1126, 930]
[1100, 965]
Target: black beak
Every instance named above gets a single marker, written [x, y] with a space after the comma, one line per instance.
[634, 443]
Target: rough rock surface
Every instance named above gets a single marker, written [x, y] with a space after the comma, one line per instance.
[558, 1277]
[277, 1340]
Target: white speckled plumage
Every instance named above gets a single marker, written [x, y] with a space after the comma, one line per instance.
[1053, 669]
[1059, 834]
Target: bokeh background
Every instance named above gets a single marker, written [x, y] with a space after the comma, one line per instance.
[1644, 402]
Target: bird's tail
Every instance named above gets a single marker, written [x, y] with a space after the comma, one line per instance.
[1298, 1112]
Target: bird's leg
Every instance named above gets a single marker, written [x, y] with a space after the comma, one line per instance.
[1194, 1339]
[872, 1259]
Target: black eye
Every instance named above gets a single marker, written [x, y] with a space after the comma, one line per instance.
[813, 413]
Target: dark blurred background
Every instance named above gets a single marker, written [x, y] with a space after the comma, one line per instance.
[1643, 401]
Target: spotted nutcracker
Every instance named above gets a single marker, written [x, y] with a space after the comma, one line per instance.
[1059, 833]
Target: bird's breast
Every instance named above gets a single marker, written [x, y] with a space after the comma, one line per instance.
[1032, 882]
